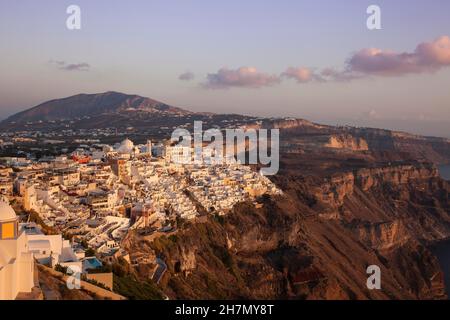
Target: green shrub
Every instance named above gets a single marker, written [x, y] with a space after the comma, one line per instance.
[132, 289]
[61, 269]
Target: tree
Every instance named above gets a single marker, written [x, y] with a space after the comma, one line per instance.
[89, 252]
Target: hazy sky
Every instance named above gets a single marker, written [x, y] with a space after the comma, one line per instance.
[311, 59]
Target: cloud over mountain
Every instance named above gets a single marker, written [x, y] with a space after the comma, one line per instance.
[247, 77]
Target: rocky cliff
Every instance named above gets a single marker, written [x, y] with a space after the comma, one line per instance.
[347, 141]
[384, 144]
[316, 241]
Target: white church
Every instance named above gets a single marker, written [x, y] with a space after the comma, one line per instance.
[16, 262]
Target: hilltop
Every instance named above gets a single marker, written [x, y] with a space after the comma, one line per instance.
[89, 105]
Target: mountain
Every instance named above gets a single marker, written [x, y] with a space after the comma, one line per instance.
[88, 105]
[137, 117]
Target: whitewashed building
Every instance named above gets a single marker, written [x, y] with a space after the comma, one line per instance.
[16, 262]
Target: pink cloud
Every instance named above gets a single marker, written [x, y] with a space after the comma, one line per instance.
[305, 75]
[331, 74]
[247, 77]
[427, 57]
[302, 75]
[435, 53]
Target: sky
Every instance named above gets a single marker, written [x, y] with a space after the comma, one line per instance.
[309, 59]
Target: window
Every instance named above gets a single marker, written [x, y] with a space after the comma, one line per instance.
[8, 231]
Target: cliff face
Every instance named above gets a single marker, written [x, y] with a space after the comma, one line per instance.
[347, 142]
[316, 241]
[336, 188]
[431, 149]
[385, 144]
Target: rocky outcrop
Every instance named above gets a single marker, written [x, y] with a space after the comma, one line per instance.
[405, 145]
[336, 188]
[386, 145]
[188, 261]
[347, 142]
[383, 236]
[368, 178]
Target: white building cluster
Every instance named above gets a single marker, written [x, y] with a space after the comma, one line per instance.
[219, 188]
[96, 194]
[107, 181]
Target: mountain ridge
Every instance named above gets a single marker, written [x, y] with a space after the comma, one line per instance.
[109, 102]
[86, 105]
[141, 116]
